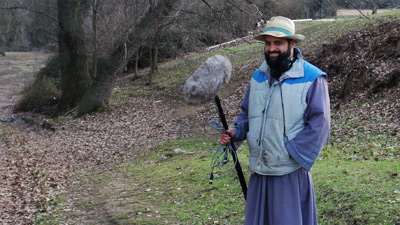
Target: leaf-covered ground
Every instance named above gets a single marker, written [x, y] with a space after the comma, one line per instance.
[41, 158]
[364, 83]
[37, 162]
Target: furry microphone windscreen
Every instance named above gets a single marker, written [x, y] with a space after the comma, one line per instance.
[207, 80]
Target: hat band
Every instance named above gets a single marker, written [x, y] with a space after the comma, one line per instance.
[278, 29]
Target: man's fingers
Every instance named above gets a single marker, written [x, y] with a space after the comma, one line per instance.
[231, 132]
[224, 139]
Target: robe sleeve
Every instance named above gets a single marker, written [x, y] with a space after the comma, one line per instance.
[242, 121]
[307, 145]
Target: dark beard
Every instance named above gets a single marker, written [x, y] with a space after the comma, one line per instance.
[275, 65]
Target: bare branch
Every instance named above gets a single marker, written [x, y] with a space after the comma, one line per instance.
[240, 9]
[357, 9]
[31, 10]
[205, 2]
[256, 8]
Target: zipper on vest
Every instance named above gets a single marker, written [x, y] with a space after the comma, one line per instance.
[264, 112]
[285, 138]
[262, 128]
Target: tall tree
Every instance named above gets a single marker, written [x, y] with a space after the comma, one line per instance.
[41, 21]
[10, 26]
[110, 67]
[5, 34]
[95, 4]
[75, 78]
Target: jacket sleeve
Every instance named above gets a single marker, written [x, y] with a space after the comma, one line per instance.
[242, 121]
[307, 145]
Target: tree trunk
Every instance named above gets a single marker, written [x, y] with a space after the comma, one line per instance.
[153, 62]
[136, 74]
[110, 68]
[75, 78]
[151, 58]
[317, 9]
[2, 48]
[155, 58]
[97, 94]
[4, 36]
[125, 58]
[95, 4]
[374, 8]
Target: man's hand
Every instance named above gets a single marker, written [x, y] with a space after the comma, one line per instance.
[226, 138]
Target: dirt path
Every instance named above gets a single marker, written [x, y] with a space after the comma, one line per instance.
[354, 12]
[39, 164]
[16, 70]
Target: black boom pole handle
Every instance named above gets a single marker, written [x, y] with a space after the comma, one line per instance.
[237, 167]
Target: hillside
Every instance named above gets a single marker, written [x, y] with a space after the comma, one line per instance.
[364, 80]
[364, 63]
[48, 156]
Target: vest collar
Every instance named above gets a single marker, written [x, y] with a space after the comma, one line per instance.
[296, 71]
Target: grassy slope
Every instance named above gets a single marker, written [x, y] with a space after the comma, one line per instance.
[356, 179]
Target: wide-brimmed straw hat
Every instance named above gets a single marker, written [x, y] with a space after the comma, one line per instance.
[281, 27]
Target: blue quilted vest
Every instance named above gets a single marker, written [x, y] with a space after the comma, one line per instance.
[272, 122]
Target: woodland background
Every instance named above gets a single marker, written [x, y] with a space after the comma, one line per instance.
[98, 40]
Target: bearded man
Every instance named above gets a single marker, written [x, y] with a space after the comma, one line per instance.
[285, 118]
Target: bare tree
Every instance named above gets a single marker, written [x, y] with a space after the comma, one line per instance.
[33, 23]
[10, 25]
[99, 37]
[95, 6]
[75, 78]
[368, 4]
[374, 5]
[110, 67]
[357, 9]
[6, 18]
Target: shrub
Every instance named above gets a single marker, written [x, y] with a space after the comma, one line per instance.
[40, 96]
[44, 92]
[52, 70]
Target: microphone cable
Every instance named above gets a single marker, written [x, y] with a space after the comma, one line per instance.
[223, 154]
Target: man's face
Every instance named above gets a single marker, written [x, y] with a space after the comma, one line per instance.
[277, 50]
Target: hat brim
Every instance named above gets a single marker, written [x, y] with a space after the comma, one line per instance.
[296, 37]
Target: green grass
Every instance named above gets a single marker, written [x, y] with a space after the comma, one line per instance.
[3, 134]
[10, 136]
[169, 186]
[51, 219]
[123, 95]
[320, 33]
[23, 56]
[361, 192]
[33, 68]
[177, 189]
[164, 187]
[395, 14]
[175, 73]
